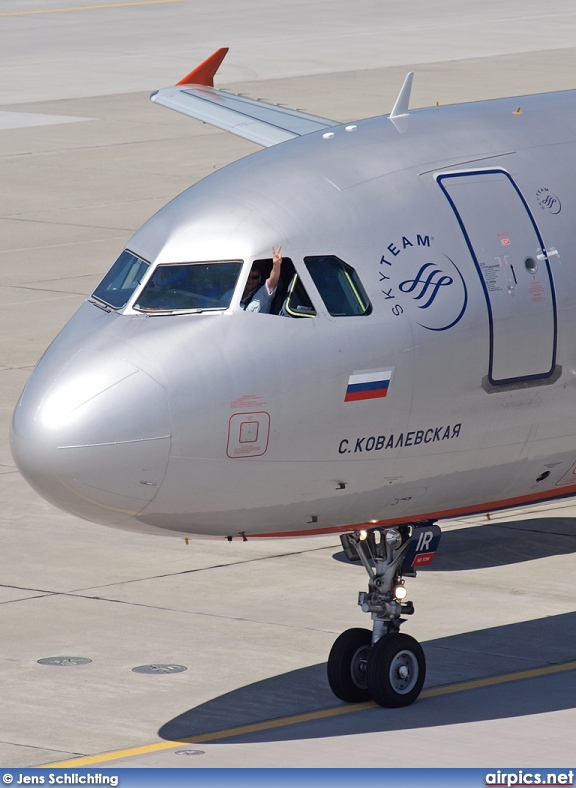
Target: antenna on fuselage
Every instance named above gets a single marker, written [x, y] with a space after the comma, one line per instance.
[399, 115]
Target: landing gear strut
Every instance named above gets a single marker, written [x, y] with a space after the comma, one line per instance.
[383, 665]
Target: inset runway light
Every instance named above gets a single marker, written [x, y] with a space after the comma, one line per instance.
[64, 662]
[156, 669]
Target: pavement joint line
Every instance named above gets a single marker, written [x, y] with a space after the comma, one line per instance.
[182, 572]
[86, 7]
[25, 588]
[176, 610]
[297, 719]
[55, 223]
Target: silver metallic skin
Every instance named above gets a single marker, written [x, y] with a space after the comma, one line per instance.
[133, 419]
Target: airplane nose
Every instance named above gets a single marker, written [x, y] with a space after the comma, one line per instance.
[92, 435]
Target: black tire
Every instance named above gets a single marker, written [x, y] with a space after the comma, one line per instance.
[396, 670]
[347, 665]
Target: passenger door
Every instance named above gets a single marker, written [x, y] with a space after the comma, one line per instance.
[510, 258]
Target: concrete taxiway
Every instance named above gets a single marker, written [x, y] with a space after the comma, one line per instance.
[85, 159]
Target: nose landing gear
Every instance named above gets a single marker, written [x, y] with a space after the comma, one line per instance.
[383, 665]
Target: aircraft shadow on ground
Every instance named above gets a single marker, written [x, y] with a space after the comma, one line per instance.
[473, 655]
[500, 544]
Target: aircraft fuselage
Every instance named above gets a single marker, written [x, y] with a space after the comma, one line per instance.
[452, 394]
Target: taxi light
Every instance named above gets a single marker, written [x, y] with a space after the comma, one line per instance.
[363, 535]
[400, 592]
[393, 538]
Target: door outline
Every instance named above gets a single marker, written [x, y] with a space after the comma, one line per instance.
[543, 258]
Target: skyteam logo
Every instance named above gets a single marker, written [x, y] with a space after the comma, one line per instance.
[428, 282]
[548, 201]
[429, 289]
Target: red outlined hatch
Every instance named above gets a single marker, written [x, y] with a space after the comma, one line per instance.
[248, 435]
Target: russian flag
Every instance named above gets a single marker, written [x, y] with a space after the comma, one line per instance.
[368, 384]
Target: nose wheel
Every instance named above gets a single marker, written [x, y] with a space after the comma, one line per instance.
[385, 666]
[391, 673]
[396, 670]
[347, 665]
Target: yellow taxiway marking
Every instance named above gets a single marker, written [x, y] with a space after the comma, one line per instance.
[86, 7]
[242, 730]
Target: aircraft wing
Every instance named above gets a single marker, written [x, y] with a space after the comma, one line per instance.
[265, 124]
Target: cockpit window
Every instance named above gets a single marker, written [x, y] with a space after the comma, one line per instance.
[185, 287]
[121, 280]
[339, 286]
[297, 303]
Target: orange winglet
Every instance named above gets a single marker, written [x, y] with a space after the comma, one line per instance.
[204, 73]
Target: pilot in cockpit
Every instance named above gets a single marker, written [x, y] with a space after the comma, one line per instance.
[258, 297]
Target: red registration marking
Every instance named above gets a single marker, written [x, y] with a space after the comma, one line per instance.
[423, 558]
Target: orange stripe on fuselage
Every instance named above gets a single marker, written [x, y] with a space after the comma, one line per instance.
[508, 503]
